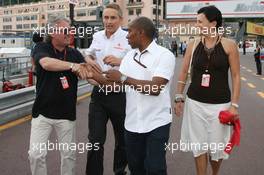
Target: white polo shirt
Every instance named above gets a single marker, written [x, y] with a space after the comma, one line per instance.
[101, 47]
[145, 113]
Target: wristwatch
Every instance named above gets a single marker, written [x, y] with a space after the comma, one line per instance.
[123, 78]
[72, 66]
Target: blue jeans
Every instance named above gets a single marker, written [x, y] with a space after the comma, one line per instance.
[146, 153]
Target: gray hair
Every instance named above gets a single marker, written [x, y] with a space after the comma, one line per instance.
[53, 20]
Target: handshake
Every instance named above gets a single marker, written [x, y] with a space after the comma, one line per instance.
[92, 71]
[82, 70]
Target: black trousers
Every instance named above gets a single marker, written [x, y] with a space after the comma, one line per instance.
[259, 67]
[146, 152]
[102, 108]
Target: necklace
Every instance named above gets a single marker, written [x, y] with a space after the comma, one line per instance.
[209, 53]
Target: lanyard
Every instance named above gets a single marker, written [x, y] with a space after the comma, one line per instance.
[209, 53]
[64, 56]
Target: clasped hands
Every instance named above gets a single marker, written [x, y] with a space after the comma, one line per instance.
[88, 71]
[92, 70]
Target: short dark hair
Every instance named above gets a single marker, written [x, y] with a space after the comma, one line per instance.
[212, 14]
[115, 7]
[146, 25]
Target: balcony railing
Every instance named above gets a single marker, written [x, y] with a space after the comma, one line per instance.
[135, 4]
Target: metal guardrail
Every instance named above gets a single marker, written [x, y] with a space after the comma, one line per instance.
[14, 66]
[17, 104]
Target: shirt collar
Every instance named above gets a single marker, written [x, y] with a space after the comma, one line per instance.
[152, 48]
[114, 34]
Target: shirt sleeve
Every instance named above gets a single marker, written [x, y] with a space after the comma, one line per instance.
[166, 65]
[40, 51]
[79, 57]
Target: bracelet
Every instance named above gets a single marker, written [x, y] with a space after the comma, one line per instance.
[235, 105]
[182, 82]
[179, 98]
[72, 65]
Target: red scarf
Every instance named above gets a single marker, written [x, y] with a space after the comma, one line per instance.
[226, 117]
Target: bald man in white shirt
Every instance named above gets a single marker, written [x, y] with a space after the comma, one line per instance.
[146, 71]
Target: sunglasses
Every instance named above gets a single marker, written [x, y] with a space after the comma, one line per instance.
[138, 61]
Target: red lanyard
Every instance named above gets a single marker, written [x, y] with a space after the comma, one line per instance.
[64, 56]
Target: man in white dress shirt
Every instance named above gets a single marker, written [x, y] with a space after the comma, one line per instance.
[146, 71]
[106, 52]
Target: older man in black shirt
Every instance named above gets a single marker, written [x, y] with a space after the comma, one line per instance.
[57, 67]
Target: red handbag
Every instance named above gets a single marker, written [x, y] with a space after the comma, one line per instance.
[225, 117]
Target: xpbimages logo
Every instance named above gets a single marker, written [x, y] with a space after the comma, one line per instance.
[180, 29]
[51, 146]
[80, 31]
[186, 146]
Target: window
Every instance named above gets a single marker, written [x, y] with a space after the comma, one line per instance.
[82, 4]
[26, 26]
[7, 27]
[20, 11]
[35, 9]
[26, 18]
[3, 41]
[61, 6]
[81, 13]
[138, 11]
[155, 2]
[19, 26]
[42, 16]
[138, 0]
[131, 12]
[51, 7]
[7, 19]
[93, 13]
[19, 18]
[154, 11]
[13, 41]
[7, 12]
[34, 25]
[34, 17]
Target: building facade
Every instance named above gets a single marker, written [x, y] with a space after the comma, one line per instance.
[25, 17]
[20, 19]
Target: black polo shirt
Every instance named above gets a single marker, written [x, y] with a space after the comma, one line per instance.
[52, 101]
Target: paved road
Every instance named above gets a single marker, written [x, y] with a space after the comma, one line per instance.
[245, 160]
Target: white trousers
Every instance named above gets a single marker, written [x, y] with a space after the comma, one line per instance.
[41, 128]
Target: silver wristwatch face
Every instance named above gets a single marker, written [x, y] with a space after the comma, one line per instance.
[123, 78]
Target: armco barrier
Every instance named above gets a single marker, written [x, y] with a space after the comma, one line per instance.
[17, 104]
